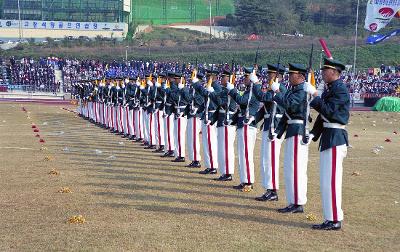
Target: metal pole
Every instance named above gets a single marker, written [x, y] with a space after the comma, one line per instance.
[209, 4]
[355, 40]
[19, 20]
[126, 53]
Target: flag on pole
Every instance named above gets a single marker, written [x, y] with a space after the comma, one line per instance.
[380, 13]
[377, 38]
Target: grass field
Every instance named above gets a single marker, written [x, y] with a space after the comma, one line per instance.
[132, 199]
[178, 11]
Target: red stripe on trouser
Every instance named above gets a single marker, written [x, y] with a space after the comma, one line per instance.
[273, 164]
[295, 163]
[226, 151]
[209, 146]
[104, 120]
[333, 184]
[150, 128]
[120, 119]
[169, 135]
[194, 139]
[158, 128]
[179, 137]
[112, 117]
[140, 131]
[133, 122]
[246, 152]
[127, 121]
[95, 111]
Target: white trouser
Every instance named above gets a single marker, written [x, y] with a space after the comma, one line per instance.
[115, 118]
[180, 136]
[331, 173]
[121, 118]
[131, 122]
[106, 117]
[209, 141]
[295, 170]
[152, 132]
[146, 126]
[269, 161]
[89, 111]
[125, 119]
[169, 133]
[138, 114]
[226, 151]
[110, 116]
[193, 138]
[246, 139]
[159, 128]
[79, 108]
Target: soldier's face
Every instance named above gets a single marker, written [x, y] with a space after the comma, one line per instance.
[296, 79]
[224, 80]
[247, 80]
[271, 77]
[330, 75]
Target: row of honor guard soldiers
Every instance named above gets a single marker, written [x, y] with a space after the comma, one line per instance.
[168, 115]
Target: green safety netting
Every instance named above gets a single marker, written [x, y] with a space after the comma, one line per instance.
[387, 104]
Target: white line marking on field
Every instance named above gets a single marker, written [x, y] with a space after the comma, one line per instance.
[17, 148]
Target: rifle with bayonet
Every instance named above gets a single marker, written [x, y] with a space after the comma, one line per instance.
[271, 119]
[306, 118]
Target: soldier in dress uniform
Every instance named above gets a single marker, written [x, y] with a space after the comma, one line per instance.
[296, 153]
[194, 112]
[158, 100]
[271, 113]
[168, 87]
[333, 107]
[226, 132]
[129, 97]
[180, 100]
[149, 112]
[138, 111]
[209, 131]
[246, 129]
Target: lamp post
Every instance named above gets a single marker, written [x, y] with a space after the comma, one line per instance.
[209, 4]
[355, 40]
[19, 21]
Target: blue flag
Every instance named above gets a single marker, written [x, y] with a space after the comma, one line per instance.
[376, 38]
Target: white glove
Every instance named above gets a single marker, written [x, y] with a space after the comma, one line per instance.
[275, 86]
[138, 83]
[180, 85]
[141, 87]
[230, 86]
[158, 84]
[253, 78]
[210, 89]
[150, 83]
[309, 89]
[195, 80]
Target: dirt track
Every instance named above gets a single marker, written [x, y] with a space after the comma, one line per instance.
[132, 199]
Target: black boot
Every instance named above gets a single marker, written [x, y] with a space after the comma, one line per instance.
[328, 225]
[178, 160]
[270, 195]
[292, 208]
[225, 177]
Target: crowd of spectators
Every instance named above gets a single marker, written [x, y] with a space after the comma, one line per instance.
[39, 75]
